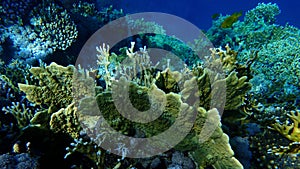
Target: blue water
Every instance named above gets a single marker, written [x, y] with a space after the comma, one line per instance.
[199, 12]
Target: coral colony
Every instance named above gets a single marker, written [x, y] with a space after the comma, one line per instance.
[47, 102]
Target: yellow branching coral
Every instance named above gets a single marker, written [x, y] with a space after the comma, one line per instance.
[226, 57]
[290, 131]
[135, 63]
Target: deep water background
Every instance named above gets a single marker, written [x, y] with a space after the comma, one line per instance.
[199, 12]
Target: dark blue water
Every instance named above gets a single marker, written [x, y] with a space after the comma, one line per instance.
[199, 12]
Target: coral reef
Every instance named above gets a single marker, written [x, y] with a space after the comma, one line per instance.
[272, 52]
[243, 95]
